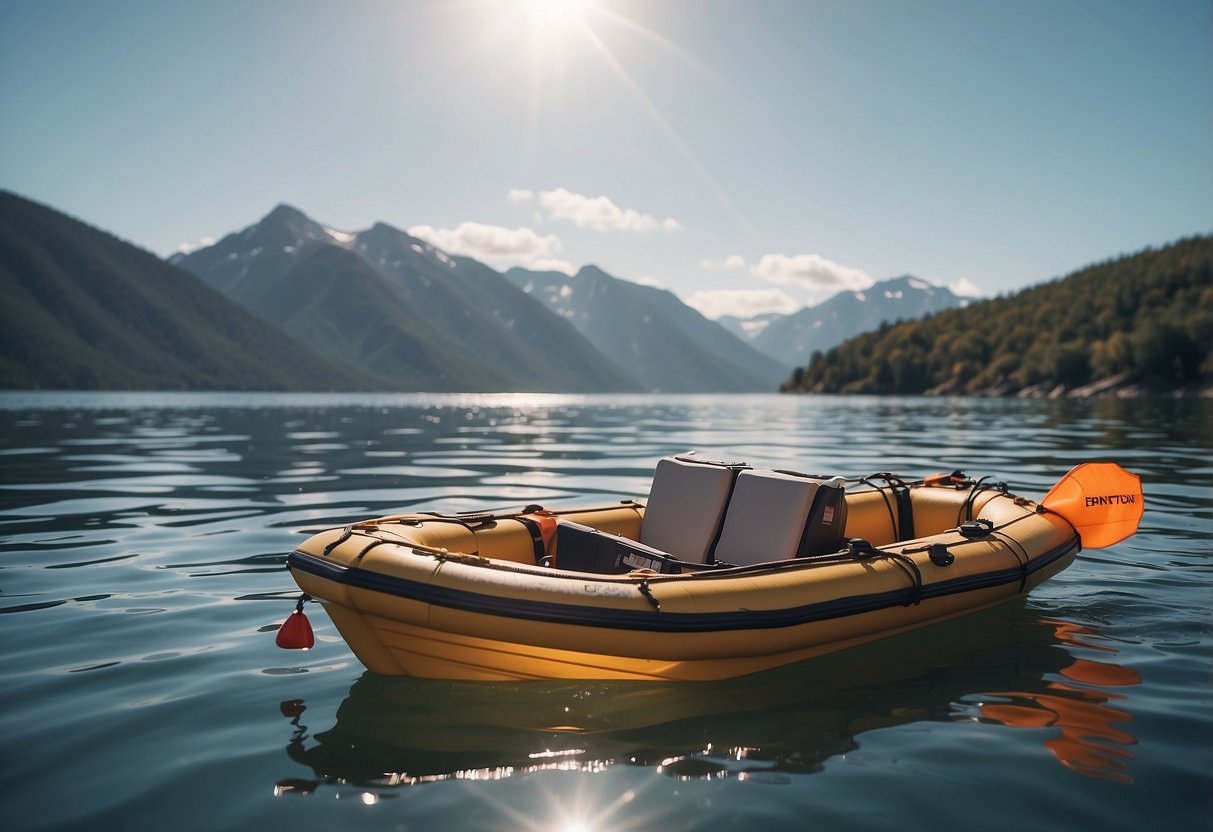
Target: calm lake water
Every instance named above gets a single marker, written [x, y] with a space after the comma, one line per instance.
[142, 582]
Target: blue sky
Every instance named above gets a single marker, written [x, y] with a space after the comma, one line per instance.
[746, 155]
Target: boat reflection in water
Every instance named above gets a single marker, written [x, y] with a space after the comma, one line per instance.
[1090, 739]
[990, 668]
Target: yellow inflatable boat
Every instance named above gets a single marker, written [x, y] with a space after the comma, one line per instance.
[722, 571]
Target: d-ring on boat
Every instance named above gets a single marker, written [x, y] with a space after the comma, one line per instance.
[724, 570]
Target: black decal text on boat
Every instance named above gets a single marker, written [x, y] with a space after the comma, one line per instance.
[1111, 500]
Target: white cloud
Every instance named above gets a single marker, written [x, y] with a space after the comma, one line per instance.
[205, 242]
[965, 288]
[649, 280]
[520, 195]
[730, 263]
[598, 213]
[744, 303]
[490, 242]
[552, 264]
[812, 271]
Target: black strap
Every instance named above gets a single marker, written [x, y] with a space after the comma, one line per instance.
[880, 489]
[710, 557]
[647, 592]
[532, 526]
[905, 511]
[378, 541]
[346, 534]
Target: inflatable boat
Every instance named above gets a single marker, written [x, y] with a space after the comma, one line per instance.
[724, 570]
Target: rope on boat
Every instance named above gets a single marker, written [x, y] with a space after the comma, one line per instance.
[1017, 548]
[856, 549]
[890, 480]
[862, 550]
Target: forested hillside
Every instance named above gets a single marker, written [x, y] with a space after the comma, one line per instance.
[1144, 319]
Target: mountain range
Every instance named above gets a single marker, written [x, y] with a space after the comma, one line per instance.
[797, 336]
[410, 313]
[666, 344]
[288, 303]
[400, 309]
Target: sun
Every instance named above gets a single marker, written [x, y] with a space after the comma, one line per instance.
[554, 21]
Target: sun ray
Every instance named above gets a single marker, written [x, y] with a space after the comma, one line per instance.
[550, 38]
[656, 39]
[667, 129]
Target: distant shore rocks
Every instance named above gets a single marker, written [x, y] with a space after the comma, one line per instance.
[1118, 387]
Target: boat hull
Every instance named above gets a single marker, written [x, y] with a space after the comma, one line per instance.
[462, 598]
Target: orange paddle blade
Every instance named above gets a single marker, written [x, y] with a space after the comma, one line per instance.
[1101, 500]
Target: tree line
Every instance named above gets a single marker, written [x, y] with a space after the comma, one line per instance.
[1144, 319]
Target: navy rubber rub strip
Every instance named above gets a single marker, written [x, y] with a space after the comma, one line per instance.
[666, 622]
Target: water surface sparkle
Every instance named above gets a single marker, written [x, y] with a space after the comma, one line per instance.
[141, 583]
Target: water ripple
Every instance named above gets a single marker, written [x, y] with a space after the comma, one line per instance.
[141, 546]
